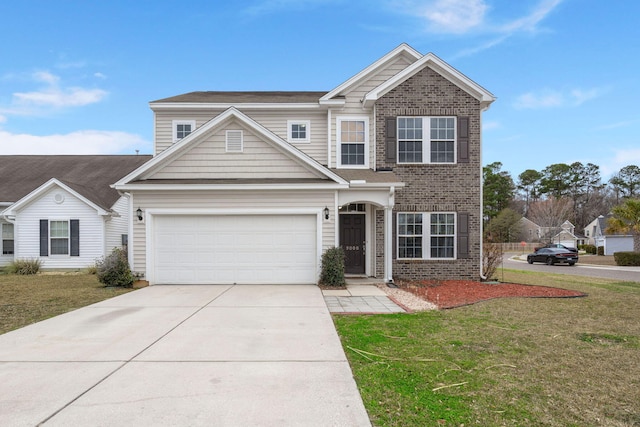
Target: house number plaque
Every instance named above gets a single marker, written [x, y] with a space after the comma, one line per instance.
[352, 248]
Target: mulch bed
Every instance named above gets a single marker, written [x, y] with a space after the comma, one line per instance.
[457, 293]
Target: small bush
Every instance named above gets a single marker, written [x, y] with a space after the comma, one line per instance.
[114, 269]
[590, 249]
[24, 266]
[627, 259]
[332, 273]
[600, 250]
[491, 259]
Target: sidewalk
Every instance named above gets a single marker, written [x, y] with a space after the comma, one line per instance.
[360, 296]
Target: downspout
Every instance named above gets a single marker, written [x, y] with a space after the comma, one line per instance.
[482, 276]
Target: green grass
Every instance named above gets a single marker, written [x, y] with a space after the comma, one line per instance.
[28, 299]
[505, 362]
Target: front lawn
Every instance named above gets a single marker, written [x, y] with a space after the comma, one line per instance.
[28, 299]
[505, 362]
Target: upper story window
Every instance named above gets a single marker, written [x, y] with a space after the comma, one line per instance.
[182, 128]
[426, 139]
[7, 239]
[298, 131]
[426, 235]
[353, 142]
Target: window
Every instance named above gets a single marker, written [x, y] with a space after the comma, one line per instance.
[7, 239]
[434, 240]
[182, 128]
[59, 235]
[435, 136]
[299, 131]
[353, 142]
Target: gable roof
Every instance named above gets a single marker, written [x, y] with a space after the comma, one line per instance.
[184, 144]
[88, 176]
[235, 98]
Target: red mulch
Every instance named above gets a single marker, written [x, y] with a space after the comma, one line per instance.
[457, 293]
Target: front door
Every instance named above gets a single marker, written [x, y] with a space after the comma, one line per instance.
[352, 241]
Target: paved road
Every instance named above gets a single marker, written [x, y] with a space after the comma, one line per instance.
[627, 274]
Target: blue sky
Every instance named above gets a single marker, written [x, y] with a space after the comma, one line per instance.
[77, 76]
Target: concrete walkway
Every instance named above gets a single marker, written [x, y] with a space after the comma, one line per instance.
[360, 296]
[183, 356]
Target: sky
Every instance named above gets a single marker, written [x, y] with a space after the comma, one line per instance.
[77, 76]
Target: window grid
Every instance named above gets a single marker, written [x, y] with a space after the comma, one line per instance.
[182, 130]
[409, 235]
[59, 236]
[437, 239]
[442, 235]
[299, 131]
[438, 140]
[353, 142]
[7, 239]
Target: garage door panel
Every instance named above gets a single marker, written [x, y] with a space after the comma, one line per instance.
[235, 249]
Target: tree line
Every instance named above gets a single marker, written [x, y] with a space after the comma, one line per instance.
[548, 197]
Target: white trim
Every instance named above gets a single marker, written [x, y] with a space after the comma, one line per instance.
[367, 130]
[174, 128]
[152, 212]
[329, 124]
[306, 139]
[234, 187]
[68, 221]
[234, 141]
[224, 106]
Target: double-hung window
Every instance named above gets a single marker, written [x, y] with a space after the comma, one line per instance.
[426, 139]
[59, 237]
[426, 235]
[7, 239]
[353, 142]
[182, 128]
[298, 131]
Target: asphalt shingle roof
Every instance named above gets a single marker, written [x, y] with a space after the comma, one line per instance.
[245, 97]
[91, 176]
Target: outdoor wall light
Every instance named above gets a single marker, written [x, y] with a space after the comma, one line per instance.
[139, 213]
[326, 212]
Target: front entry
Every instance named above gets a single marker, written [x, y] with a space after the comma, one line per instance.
[352, 241]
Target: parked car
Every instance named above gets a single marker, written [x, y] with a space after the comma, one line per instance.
[552, 256]
[558, 246]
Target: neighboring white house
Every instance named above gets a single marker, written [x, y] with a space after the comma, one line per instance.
[252, 187]
[596, 234]
[61, 209]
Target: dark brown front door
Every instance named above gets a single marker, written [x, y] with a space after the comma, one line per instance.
[352, 241]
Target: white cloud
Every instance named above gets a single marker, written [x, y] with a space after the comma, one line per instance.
[454, 16]
[621, 158]
[268, 6]
[52, 95]
[553, 98]
[617, 125]
[491, 125]
[99, 75]
[79, 142]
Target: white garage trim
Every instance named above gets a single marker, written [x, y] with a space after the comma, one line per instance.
[151, 214]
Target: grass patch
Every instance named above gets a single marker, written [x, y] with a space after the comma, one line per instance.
[28, 299]
[505, 362]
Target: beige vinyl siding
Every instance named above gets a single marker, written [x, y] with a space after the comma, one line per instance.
[117, 225]
[27, 232]
[209, 160]
[235, 200]
[274, 120]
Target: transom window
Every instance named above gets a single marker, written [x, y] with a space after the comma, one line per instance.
[299, 130]
[7, 239]
[426, 139]
[434, 240]
[353, 142]
[182, 128]
[59, 237]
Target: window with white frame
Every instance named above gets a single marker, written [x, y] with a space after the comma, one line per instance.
[426, 139]
[182, 128]
[298, 131]
[59, 237]
[7, 239]
[426, 235]
[353, 142]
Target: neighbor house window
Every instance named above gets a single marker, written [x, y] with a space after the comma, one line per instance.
[426, 139]
[353, 142]
[59, 237]
[426, 235]
[7, 239]
[182, 128]
[298, 130]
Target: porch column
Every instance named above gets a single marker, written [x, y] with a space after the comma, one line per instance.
[388, 244]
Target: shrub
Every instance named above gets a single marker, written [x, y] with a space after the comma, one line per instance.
[332, 273]
[600, 250]
[25, 266]
[628, 259]
[114, 269]
[491, 259]
[590, 249]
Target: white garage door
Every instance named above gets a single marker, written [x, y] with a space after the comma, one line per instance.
[242, 249]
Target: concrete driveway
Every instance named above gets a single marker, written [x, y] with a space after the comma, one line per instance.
[183, 356]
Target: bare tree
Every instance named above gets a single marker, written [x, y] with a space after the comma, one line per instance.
[549, 214]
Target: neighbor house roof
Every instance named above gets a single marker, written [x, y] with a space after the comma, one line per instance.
[90, 176]
[244, 97]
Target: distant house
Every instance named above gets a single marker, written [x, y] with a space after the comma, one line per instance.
[596, 234]
[62, 210]
[530, 232]
[564, 234]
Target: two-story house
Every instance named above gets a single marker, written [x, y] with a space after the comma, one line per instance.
[252, 187]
